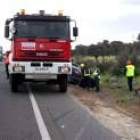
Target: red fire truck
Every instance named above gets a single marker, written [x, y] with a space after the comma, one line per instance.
[40, 48]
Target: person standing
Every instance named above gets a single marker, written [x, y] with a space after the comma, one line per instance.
[81, 84]
[130, 73]
[6, 61]
[82, 68]
[85, 76]
[95, 78]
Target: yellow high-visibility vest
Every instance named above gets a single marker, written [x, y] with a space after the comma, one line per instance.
[95, 73]
[86, 72]
[130, 70]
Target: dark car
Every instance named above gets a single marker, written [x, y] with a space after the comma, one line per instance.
[76, 75]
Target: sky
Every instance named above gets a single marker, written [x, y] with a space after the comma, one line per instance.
[97, 20]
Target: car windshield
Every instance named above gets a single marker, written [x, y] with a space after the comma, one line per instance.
[43, 29]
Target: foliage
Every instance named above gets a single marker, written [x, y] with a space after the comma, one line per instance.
[99, 53]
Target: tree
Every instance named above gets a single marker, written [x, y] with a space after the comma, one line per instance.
[81, 50]
[138, 38]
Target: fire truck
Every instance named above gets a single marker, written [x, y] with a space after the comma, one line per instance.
[40, 48]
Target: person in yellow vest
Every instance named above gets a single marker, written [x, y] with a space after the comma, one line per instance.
[130, 73]
[85, 82]
[95, 78]
[87, 77]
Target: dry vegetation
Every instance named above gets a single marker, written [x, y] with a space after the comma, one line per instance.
[121, 117]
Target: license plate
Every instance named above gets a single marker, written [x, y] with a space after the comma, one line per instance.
[46, 69]
[41, 54]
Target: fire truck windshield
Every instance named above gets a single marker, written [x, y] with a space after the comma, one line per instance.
[43, 29]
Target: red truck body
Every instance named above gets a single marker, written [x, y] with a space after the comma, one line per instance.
[40, 48]
[43, 50]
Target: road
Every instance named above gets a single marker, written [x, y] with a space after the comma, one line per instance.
[39, 112]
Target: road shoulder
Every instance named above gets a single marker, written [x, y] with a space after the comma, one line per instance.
[111, 116]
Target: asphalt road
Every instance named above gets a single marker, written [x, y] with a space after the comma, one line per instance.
[39, 112]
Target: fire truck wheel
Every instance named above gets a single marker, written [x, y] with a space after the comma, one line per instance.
[63, 84]
[14, 86]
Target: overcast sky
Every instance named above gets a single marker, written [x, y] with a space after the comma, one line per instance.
[97, 19]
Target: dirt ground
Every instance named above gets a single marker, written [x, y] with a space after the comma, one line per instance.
[123, 120]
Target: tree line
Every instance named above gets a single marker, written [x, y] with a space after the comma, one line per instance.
[106, 48]
[119, 50]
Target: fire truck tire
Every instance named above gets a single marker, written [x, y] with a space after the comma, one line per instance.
[14, 86]
[63, 84]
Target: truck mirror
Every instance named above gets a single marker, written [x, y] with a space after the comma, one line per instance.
[75, 31]
[6, 31]
[13, 30]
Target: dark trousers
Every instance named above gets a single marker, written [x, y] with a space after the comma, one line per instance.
[129, 82]
[85, 82]
[6, 70]
[95, 82]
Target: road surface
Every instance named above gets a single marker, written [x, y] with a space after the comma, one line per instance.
[40, 112]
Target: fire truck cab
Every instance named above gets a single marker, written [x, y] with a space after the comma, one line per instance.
[40, 48]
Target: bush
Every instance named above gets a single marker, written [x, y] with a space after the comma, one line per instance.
[113, 66]
[117, 69]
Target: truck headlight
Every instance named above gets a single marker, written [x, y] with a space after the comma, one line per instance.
[18, 68]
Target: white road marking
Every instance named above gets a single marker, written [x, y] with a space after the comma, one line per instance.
[40, 122]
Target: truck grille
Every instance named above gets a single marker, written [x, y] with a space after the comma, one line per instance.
[47, 64]
[35, 64]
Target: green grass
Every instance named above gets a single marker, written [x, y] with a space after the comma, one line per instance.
[119, 90]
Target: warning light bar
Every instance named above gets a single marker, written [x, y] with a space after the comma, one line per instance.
[60, 12]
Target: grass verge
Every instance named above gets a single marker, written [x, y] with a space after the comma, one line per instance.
[117, 91]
